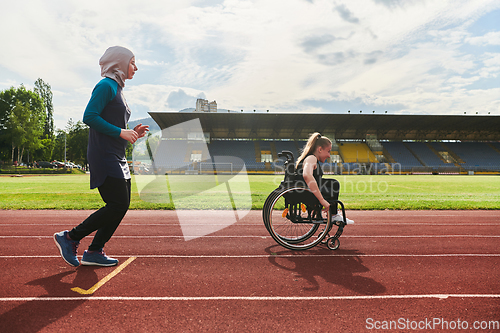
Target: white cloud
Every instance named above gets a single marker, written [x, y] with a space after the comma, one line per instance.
[159, 97]
[415, 56]
[491, 38]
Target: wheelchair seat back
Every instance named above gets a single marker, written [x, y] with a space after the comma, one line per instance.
[292, 180]
[290, 172]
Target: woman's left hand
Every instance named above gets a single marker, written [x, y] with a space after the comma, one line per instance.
[141, 130]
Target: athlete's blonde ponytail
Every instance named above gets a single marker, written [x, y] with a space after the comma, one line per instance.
[315, 140]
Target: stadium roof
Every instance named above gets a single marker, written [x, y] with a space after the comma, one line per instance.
[248, 125]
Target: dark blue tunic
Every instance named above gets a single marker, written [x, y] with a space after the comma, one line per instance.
[106, 151]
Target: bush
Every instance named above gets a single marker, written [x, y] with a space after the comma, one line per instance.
[11, 170]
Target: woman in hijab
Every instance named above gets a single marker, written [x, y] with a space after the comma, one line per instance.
[107, 114]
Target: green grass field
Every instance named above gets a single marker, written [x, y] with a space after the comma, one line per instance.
[357, 192]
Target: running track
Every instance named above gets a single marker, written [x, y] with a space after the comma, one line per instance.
[408, 267]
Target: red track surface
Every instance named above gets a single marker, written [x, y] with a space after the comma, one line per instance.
[408, 267]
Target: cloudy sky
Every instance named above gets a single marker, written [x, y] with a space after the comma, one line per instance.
[403, 56]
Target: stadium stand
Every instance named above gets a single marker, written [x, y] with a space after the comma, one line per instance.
[437, 146]
[223, 147]
[402, 155]
[496, 146]
[243, 149]
[171, 154]
[300, 145]
[356, 153]
[476, 156]
[287, 145]
[426, 155]
[367, 144]
[357, 158]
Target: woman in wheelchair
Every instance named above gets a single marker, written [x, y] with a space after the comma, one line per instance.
[309, 171]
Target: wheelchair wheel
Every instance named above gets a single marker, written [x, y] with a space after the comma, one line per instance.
[266, 214]
[293, 223]
[267, 206]
[333, 243]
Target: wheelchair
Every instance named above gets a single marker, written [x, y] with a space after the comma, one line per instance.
[294, 217]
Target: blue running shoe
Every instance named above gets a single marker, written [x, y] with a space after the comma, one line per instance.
[98, 258]
[68, 248]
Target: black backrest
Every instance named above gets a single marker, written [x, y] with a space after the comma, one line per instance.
[289, 165]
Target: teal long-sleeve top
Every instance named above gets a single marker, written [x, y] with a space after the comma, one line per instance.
[107, 113]
[104, 92]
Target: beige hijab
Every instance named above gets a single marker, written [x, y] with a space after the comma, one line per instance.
[114, 64]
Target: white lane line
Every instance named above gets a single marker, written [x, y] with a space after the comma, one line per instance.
[322, 255]
[247, 298]
[266, 236]
[465, 224]
[180, 256]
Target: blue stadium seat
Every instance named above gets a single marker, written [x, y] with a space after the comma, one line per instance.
[426, 155]
[401, 155]
[477, 156]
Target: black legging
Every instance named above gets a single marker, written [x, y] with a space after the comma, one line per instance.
[116, 194]
[330, 189]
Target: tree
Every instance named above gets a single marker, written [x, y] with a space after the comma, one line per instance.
[43, 90]
[46, 150]
[21, 119]
[77, 141]
[73, 140]
[58, 150]
[4, 112]
[15, 126]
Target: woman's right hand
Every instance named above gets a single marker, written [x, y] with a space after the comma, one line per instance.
[129, 135]
[326, 205]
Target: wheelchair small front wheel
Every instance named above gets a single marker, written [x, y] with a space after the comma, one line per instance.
[333, 243]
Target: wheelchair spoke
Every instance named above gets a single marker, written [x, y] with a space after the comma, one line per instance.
[294, 224]
[292, 214]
